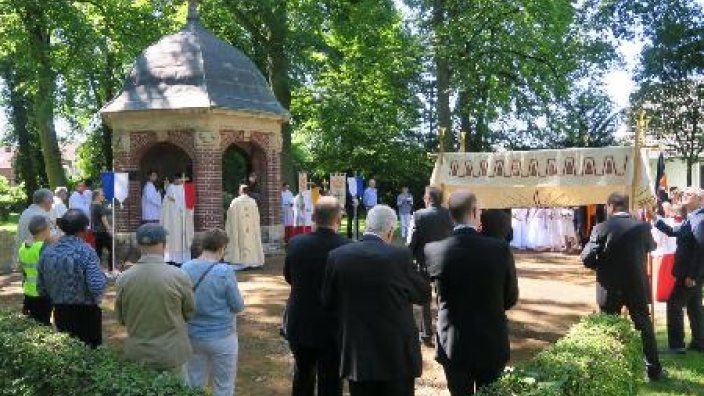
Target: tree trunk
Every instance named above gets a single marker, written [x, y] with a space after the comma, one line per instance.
[40, 49]
[19, 104]
[442, 65]
[278, 66]
[690, 168]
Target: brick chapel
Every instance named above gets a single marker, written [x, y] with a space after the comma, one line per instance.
[188, 100]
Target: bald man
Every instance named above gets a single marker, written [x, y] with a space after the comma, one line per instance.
[312, 330]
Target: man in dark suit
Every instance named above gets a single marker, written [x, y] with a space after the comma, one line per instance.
[372, 286]
[617, 250]
[310, 328]
[476, 283]
[688, 271]
[429, 225]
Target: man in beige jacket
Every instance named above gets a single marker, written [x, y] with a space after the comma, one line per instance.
[155, 300]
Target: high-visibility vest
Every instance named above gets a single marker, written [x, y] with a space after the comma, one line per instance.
[29, 258]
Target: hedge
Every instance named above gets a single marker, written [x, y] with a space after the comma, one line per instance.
[36, 361]
[600, 356]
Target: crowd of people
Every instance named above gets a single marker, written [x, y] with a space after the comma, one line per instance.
[350, 312]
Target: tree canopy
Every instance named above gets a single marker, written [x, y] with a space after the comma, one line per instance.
[368, 84]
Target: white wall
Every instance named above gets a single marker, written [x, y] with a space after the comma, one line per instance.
[676, 171]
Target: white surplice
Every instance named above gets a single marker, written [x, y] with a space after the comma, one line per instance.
[303, 209]
[519, 218]
[178, 222]
[151, 202]
[287, 212]
[245, 233]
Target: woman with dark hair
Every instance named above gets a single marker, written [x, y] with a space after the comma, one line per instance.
[70, 274]
[213, 329]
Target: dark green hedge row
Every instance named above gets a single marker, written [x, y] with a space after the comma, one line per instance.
[600, 356]
[36, 361]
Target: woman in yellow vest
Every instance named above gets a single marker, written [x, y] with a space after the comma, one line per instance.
[35, 306]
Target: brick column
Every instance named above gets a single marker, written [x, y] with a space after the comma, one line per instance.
[272, 201]
[127, 218]
[208, 181]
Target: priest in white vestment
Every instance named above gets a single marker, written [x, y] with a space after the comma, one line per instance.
[151, 200]
[177, 219]
[519, 218]
[287, 212]
[244, 231]
[303, 212]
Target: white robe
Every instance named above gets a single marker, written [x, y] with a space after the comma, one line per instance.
[151, 202]
[287, 212]
[568, 230]
[557, 238]
[245, 233]
[538, 232]
[178, 222]
[519, 226]
[665, 244]
[303, 209]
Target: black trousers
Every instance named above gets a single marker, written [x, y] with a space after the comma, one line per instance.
[404, 387]
[640, 316]
[103, 240]
[323, 363]
[463, 382]
[38, 308]
[350, 221]
[84, 322]
[426, 319]
[691, 298]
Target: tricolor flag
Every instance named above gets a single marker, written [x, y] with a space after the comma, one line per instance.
[189, 190]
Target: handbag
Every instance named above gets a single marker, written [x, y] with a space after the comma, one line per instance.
[203, 276]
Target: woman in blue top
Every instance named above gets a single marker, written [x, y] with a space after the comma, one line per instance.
[213, 329]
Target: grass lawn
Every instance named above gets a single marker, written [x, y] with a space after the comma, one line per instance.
[686, 373]
[11, 223]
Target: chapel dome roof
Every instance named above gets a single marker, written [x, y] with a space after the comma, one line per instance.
[194, 69]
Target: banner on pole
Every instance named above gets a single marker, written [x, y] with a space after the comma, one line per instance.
[121, 186]
[302, 181]
[337, 187]
[108, 182]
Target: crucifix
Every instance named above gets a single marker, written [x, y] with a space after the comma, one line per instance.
[325, 185]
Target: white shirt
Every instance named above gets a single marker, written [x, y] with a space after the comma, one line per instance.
[81, 201]
[59, 208]
[151, 202]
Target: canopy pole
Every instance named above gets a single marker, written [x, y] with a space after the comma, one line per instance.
[641, 126]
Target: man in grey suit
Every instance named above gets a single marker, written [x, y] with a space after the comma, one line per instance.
[429, 225]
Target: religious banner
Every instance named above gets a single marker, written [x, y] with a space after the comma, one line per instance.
[122, 186]
[302, 181]
[337, 187]
[548, 178]
[107, 182]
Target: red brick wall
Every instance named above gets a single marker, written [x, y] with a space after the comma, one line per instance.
[207, 168]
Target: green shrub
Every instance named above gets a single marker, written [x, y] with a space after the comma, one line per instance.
[36, 361]
[12, 199]
[601, 355]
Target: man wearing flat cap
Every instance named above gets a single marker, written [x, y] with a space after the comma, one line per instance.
[155, 300]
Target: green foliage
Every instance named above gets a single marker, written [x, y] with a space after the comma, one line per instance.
[12, 199]
[34, 361]
[360, 111]
[600, 356]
